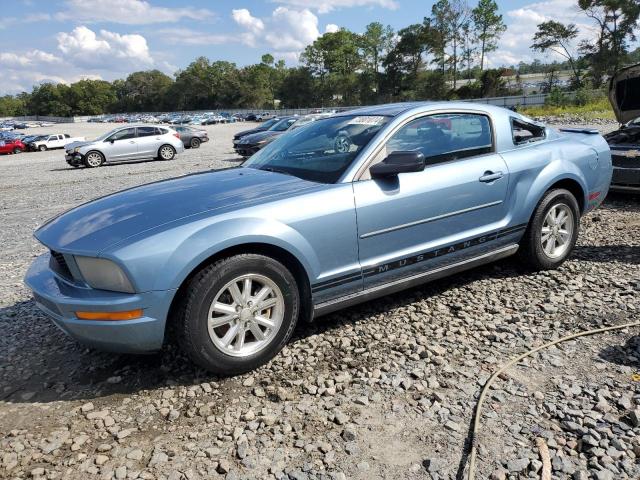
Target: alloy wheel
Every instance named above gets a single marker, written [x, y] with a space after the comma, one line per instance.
[245, 315]
[94, 160]
[557, 230]
[166, 152]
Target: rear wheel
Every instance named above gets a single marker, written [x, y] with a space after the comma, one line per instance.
[238, 313]
[195, 142]
[93, 159]
[166, 152]
[552, 232]
[16, 151]
[42, 148]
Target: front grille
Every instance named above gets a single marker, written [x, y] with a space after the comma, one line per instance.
[58, 264]
[625, 162]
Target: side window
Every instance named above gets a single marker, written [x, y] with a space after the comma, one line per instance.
[60, 137]
[66, 135]
[524, 132]
[123, 134]
[146, 131]
[444, 137]
[162, 131]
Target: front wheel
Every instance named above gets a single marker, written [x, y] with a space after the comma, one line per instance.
[42, 148]
[238, 313]
[552, 232]
[166, 152]
[16, 151]
[93, 159]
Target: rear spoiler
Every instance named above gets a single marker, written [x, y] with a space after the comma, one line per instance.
[586, 131]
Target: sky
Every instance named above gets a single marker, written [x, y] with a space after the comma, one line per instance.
[68, 40]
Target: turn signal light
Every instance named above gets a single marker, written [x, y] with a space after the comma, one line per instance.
[128, 315]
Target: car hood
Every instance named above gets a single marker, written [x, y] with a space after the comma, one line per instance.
[94, 226]
[258, 137]
[624, 88]
[77, 144]
[244, 133]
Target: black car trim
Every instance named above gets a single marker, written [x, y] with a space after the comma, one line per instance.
[377, 291]
[413, 259]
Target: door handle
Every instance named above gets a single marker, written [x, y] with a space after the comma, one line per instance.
[490, 176]
[132, 141]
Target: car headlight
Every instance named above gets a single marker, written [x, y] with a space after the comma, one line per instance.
[103, 274]
[76, 150]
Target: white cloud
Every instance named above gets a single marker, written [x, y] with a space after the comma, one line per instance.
[244, 18]
[324, 6]
[292, 29]
[286, 30]
[331, 28]
[131, 12]
[82, 53]
[515, 43]
[108, 50]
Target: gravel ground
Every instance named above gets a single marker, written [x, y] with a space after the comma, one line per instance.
[383, 390]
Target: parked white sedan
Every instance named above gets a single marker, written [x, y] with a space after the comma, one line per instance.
[137, 142]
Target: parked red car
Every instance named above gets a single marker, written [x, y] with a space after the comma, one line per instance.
[12, 146]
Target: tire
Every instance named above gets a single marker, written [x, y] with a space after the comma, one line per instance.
[93, 159]
[16, 151]
[550, 254]
[42, 148]
[194, 143]
[166, 152]
[204, 343]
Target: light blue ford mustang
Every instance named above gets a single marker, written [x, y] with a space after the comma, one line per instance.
[348, 208]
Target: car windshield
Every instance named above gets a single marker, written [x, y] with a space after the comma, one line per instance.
[282, 125]
[270, 123]
[320, 151]
[105, 135]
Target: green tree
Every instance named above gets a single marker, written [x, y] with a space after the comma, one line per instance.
[335, 58]
[488, 25]
[557, 37]
[616, 21]
[144, 91]
[375, 42]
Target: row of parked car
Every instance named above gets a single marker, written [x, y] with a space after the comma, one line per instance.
[206, 118]
[11, 125]
[248, 142]
[14, 143]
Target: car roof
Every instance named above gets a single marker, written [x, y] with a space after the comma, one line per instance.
[395, 109]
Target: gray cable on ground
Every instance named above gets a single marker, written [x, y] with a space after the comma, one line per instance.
[478, 413]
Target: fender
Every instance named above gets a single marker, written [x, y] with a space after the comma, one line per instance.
[526, 196]
[193, 243]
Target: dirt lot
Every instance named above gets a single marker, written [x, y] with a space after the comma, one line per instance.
[383, 390]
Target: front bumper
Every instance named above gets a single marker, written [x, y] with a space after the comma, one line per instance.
[246, 150]
[60, 299]
[74, 159]
[625, 179]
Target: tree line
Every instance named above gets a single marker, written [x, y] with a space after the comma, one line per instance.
[443, 57]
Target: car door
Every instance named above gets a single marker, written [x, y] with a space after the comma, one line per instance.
[122, 145]
[149, 142]
[447, 213]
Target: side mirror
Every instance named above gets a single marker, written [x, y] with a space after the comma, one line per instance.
[398, 162]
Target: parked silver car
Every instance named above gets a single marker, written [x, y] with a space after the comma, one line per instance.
[131, 142]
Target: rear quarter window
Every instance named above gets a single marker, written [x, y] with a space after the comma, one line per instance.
[525, 132]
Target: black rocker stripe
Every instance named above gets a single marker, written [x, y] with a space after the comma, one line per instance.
[421, 257]
[337, 281]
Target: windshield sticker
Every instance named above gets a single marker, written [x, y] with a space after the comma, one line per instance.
[366, 120]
